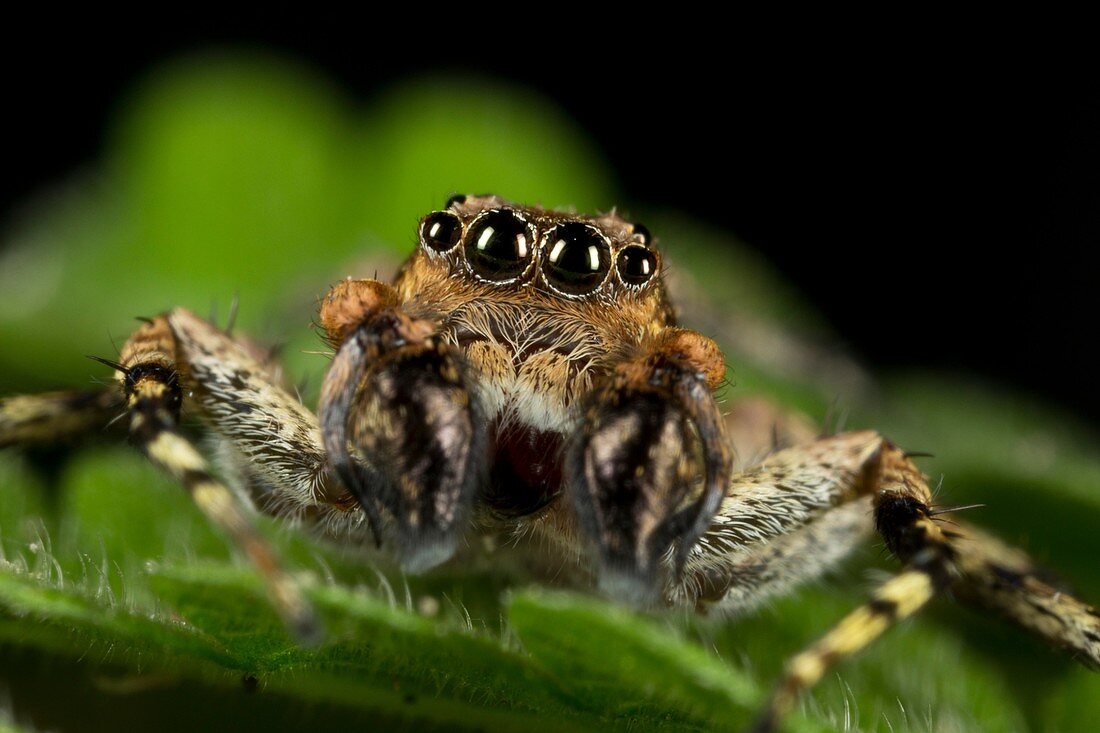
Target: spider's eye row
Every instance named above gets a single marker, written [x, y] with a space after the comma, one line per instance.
[441, 231]
[636, 264]
[499, 245]
[576, 258]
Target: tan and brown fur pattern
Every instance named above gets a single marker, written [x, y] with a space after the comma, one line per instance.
[536, 352]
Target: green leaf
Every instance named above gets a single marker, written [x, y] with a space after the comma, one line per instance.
[606, 653]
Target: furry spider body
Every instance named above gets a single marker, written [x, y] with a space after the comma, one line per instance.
[524, 376]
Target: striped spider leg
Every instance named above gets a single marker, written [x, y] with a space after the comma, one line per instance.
[56, 417]
[805, 507]
[177, 363]
[267, 441]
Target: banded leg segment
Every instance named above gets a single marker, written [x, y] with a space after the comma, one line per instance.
[57, 417]
[991, 575]
[151, 374]
[929, 573]
[903, 516]
[897, 599]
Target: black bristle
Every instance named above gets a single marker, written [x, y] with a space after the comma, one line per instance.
[107, 362]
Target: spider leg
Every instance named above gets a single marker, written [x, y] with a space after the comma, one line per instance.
[973, 566]
[742, 581]
[273, 442]
[178, 361]
[784, 521]
[57, 417]
[151, 374]
[395, 398]
[996, 577]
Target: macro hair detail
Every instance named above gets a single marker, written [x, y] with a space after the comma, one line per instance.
[524, 377]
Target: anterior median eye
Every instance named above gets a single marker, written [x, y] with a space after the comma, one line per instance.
[499, 246]
[636, 265]
[441, 231]
[576, 258]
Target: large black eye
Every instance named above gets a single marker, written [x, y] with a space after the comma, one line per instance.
[441, 231]
[577, 258]
[636, 264]
[499, 246]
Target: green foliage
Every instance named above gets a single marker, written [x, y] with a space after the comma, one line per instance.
[248, 175]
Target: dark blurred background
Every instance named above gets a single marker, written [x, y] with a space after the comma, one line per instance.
[931, 186]
[937, 198]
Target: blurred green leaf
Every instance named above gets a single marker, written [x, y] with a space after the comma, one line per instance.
[608, 649]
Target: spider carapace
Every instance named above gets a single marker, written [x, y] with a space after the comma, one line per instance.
[524, 376]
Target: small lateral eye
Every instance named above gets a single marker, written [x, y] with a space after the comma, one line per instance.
[640, 234]
[577, 258]
[458, 198]
[441, 231]
[636, 264]
[499, 246]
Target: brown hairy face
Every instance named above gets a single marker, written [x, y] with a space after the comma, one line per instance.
[541, 304]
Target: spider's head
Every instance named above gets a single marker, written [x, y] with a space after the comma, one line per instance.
[541, 303]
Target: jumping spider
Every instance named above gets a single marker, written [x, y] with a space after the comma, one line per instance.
[524, 376]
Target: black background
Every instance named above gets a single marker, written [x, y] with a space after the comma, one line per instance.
[937, 195]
